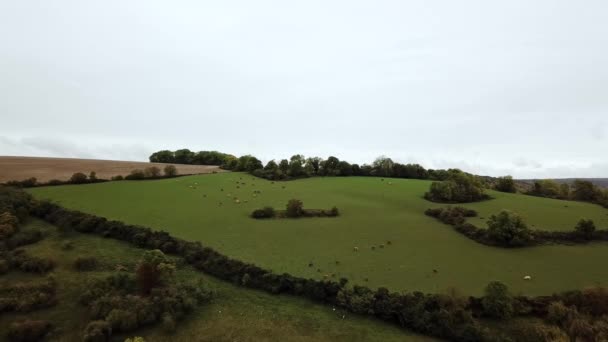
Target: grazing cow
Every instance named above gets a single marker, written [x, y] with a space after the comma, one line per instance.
[527, 277]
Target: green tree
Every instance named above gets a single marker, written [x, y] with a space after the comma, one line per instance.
[92, 176]
[153, 269]
[313, 165]
[78, 178]
[295, 208]
[505, 184]
[508, 229]
[497, 302]
[284, 166]
[183, 156]
[585, 228]
[383, 166]
[460, 187]
[164, 156]
[152, 172]
[296, 165]
[585, 191]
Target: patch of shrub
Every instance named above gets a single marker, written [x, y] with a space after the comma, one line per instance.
[152, 172]
[458, 188]
[505, 184]
[136, 174]
[266, 212]
[117, 178]
[28, 331]
[26, 263]
[497, 302]
[508, 229]
[26, 297]
[84, 264]
[97, 331]
[78, 178]
[294, 208]
[26, 183]
[170, 171]
[24, 237]
[585, 228]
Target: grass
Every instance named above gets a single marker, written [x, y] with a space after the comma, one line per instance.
[372, 213]
[236, 314]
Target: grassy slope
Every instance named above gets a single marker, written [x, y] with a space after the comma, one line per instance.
[235, 314]
[372, 213]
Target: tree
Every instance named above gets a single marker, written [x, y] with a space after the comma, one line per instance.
[383, 166]
[313, 165]
[248, 163]
[505, 184]
[585, 191]
[497, 302]
[136, 174]
[296, 165]
[284, 166]
[78, 178]
[460, 187]
[546, 188]
[92, 176]
[152, 270]
[585, 228]
[183, 156]
[164, 156]
[170, 171]
[345, 169]
[152, 172]
[294, 208]
[508, 229]
[330, 166]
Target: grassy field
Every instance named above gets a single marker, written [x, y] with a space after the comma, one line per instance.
[236, 314]
[372, 213]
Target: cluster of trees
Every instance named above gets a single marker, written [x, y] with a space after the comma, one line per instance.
[76, 178]
[185, 156]
[28, 330]
[294, 209]
[508, 229]
[459, 187]
[151, 172]
[505, 184]
[579, 190]
[125, 301]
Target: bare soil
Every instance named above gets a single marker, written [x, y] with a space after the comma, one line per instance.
[45, 169]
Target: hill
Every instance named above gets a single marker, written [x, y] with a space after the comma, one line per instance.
[424, 254]
[45, 169]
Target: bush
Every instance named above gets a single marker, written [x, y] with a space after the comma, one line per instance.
[266, 212]
[559, 314]
[294, 208]
[117, 178]
[97, 331]
[585, 228]
[93, 176]
[334, 211]
[28, 331]
[84, 264]
[458, 188]
[136, 174]
[78, 178]
[67, 245]
[152, 172]
[497, 302]
[170, 171]
[508, 229]
[505, 184]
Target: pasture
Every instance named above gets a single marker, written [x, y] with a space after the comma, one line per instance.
[235, 314]
[424, 254]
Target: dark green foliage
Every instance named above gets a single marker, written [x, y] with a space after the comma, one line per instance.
[28, 331]
[505, 184]
[26, 183]
[152, 172]
[136, 175]
[266, 212]
[497, 302]
[93, 176]
[294, 208]
[458, 188]
[508, 229]
[117, 178]
[78, 178]
[84, 264]
[18, 259]
[585, 228]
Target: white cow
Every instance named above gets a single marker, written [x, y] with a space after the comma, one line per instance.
[527, 277]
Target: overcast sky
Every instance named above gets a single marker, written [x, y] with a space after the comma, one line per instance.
[494, 87]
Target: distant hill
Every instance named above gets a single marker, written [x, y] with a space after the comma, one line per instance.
[45, 169]
[603, 182]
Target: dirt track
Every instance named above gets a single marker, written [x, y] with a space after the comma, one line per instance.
[45, 169]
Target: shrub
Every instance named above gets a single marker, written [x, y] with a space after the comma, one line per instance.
[334, 211]
[168, 323]
[84, 264]
[117, 178]
[28, 331]
[497, 302]
[558, 313]
[122, 320]
[97, 331]
[67, 245]
[266, 212]
[170, 171]
[54, 182]
[294, 208]
[508, 229]
[152, 269]
[152, 172]
[585, 228]
[458, 188]
[93, 176]
[136, 174]
[505, 184]
[78, 178]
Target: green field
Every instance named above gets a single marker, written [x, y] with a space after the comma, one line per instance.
[235, 314]
[372, 212]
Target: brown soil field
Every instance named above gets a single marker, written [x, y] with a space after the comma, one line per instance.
[45, 169]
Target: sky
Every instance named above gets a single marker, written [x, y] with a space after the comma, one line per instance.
[492, 87]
